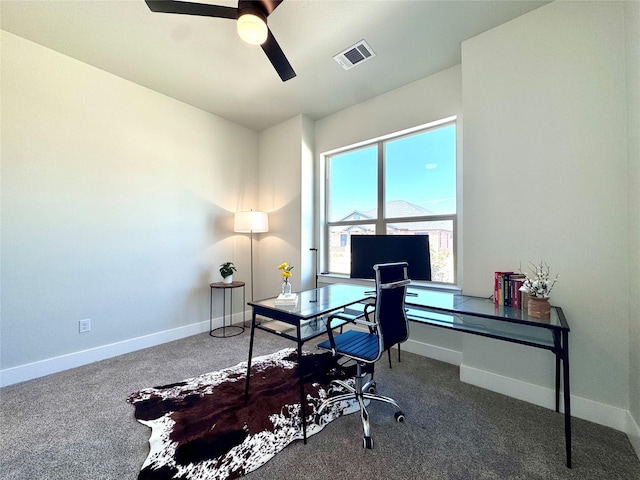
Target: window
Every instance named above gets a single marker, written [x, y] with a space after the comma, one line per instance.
[403, 184]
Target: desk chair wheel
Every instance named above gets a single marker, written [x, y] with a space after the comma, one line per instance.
[317, 419]
[399, 416]
[372, 387]
[367, 442]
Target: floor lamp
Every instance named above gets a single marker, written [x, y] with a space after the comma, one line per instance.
[251, 222]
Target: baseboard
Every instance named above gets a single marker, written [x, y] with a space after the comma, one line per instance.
[633, 432]
[29, 371]
[600, 413]
[445, 355]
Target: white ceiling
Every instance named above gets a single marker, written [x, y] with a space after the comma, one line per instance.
[202, 61]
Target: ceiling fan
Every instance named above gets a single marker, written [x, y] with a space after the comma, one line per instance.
[251, 19]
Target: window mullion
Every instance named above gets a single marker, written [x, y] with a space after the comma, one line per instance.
[380, 221]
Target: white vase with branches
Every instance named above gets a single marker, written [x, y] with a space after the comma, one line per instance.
[538, 282]
[538, 285]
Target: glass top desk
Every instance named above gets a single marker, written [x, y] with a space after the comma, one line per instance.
[300, 322]
[474, 315]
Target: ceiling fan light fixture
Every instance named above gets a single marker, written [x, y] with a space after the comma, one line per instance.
[252, 28]
[251, 23]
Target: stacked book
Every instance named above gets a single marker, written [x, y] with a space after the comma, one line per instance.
[288, 300]
[506, 289]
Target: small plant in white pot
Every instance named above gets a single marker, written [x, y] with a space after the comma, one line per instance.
[226, 270]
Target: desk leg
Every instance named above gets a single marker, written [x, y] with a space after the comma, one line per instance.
[557, 382]
[224, 308]
[559, 352]
[210, 310]
[231, 309]
[567, 396]
[253, 329]
[301, 384]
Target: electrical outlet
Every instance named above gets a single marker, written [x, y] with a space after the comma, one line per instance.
[85, 325]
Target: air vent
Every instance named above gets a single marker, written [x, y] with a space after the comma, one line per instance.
[354, 55]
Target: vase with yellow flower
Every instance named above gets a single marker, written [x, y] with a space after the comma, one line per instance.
[285, 271]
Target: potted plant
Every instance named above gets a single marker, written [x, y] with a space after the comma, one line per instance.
[226, 270]
[538, 286]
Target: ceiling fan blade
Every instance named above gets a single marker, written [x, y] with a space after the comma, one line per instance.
[265, 6]
[270, 5]
[190, 8]
[277, 58]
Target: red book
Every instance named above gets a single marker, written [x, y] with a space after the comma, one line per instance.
[516, 297]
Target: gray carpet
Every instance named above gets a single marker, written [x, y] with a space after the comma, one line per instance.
[78, 425]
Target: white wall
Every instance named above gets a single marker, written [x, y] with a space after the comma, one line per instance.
[116, 206]
[432, 98]
[286, 193]
[308, 224]
[545, 169]
[632, 31]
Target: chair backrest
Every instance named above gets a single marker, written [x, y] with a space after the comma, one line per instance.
[390, 315]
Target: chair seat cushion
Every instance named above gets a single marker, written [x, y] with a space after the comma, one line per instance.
[355, 344]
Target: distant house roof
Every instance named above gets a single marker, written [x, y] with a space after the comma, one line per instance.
[356, 215]
[400, 209]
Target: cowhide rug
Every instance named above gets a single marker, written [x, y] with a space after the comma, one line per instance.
[201, 429]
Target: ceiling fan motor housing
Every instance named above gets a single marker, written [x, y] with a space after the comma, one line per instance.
[256, 8]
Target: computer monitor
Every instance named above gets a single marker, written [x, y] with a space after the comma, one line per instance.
[368, 250]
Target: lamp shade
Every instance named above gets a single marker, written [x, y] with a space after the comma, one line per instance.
[251, 222]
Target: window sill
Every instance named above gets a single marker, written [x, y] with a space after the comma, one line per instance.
[329, 278]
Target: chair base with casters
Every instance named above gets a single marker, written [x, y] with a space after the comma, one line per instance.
[364, 389]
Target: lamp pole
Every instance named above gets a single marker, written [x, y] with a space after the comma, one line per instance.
[251, 222]
[251, 255]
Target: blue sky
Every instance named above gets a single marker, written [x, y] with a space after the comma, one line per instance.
[420, 169]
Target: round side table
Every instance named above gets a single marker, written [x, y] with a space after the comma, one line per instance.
[236, 329]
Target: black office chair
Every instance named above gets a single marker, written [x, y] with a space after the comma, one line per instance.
[389, 327]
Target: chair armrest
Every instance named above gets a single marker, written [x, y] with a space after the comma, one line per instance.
[348, 318]
[364, 322]
[330, 331]
[368, 308]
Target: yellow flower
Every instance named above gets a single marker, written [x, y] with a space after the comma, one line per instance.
[286, 269]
